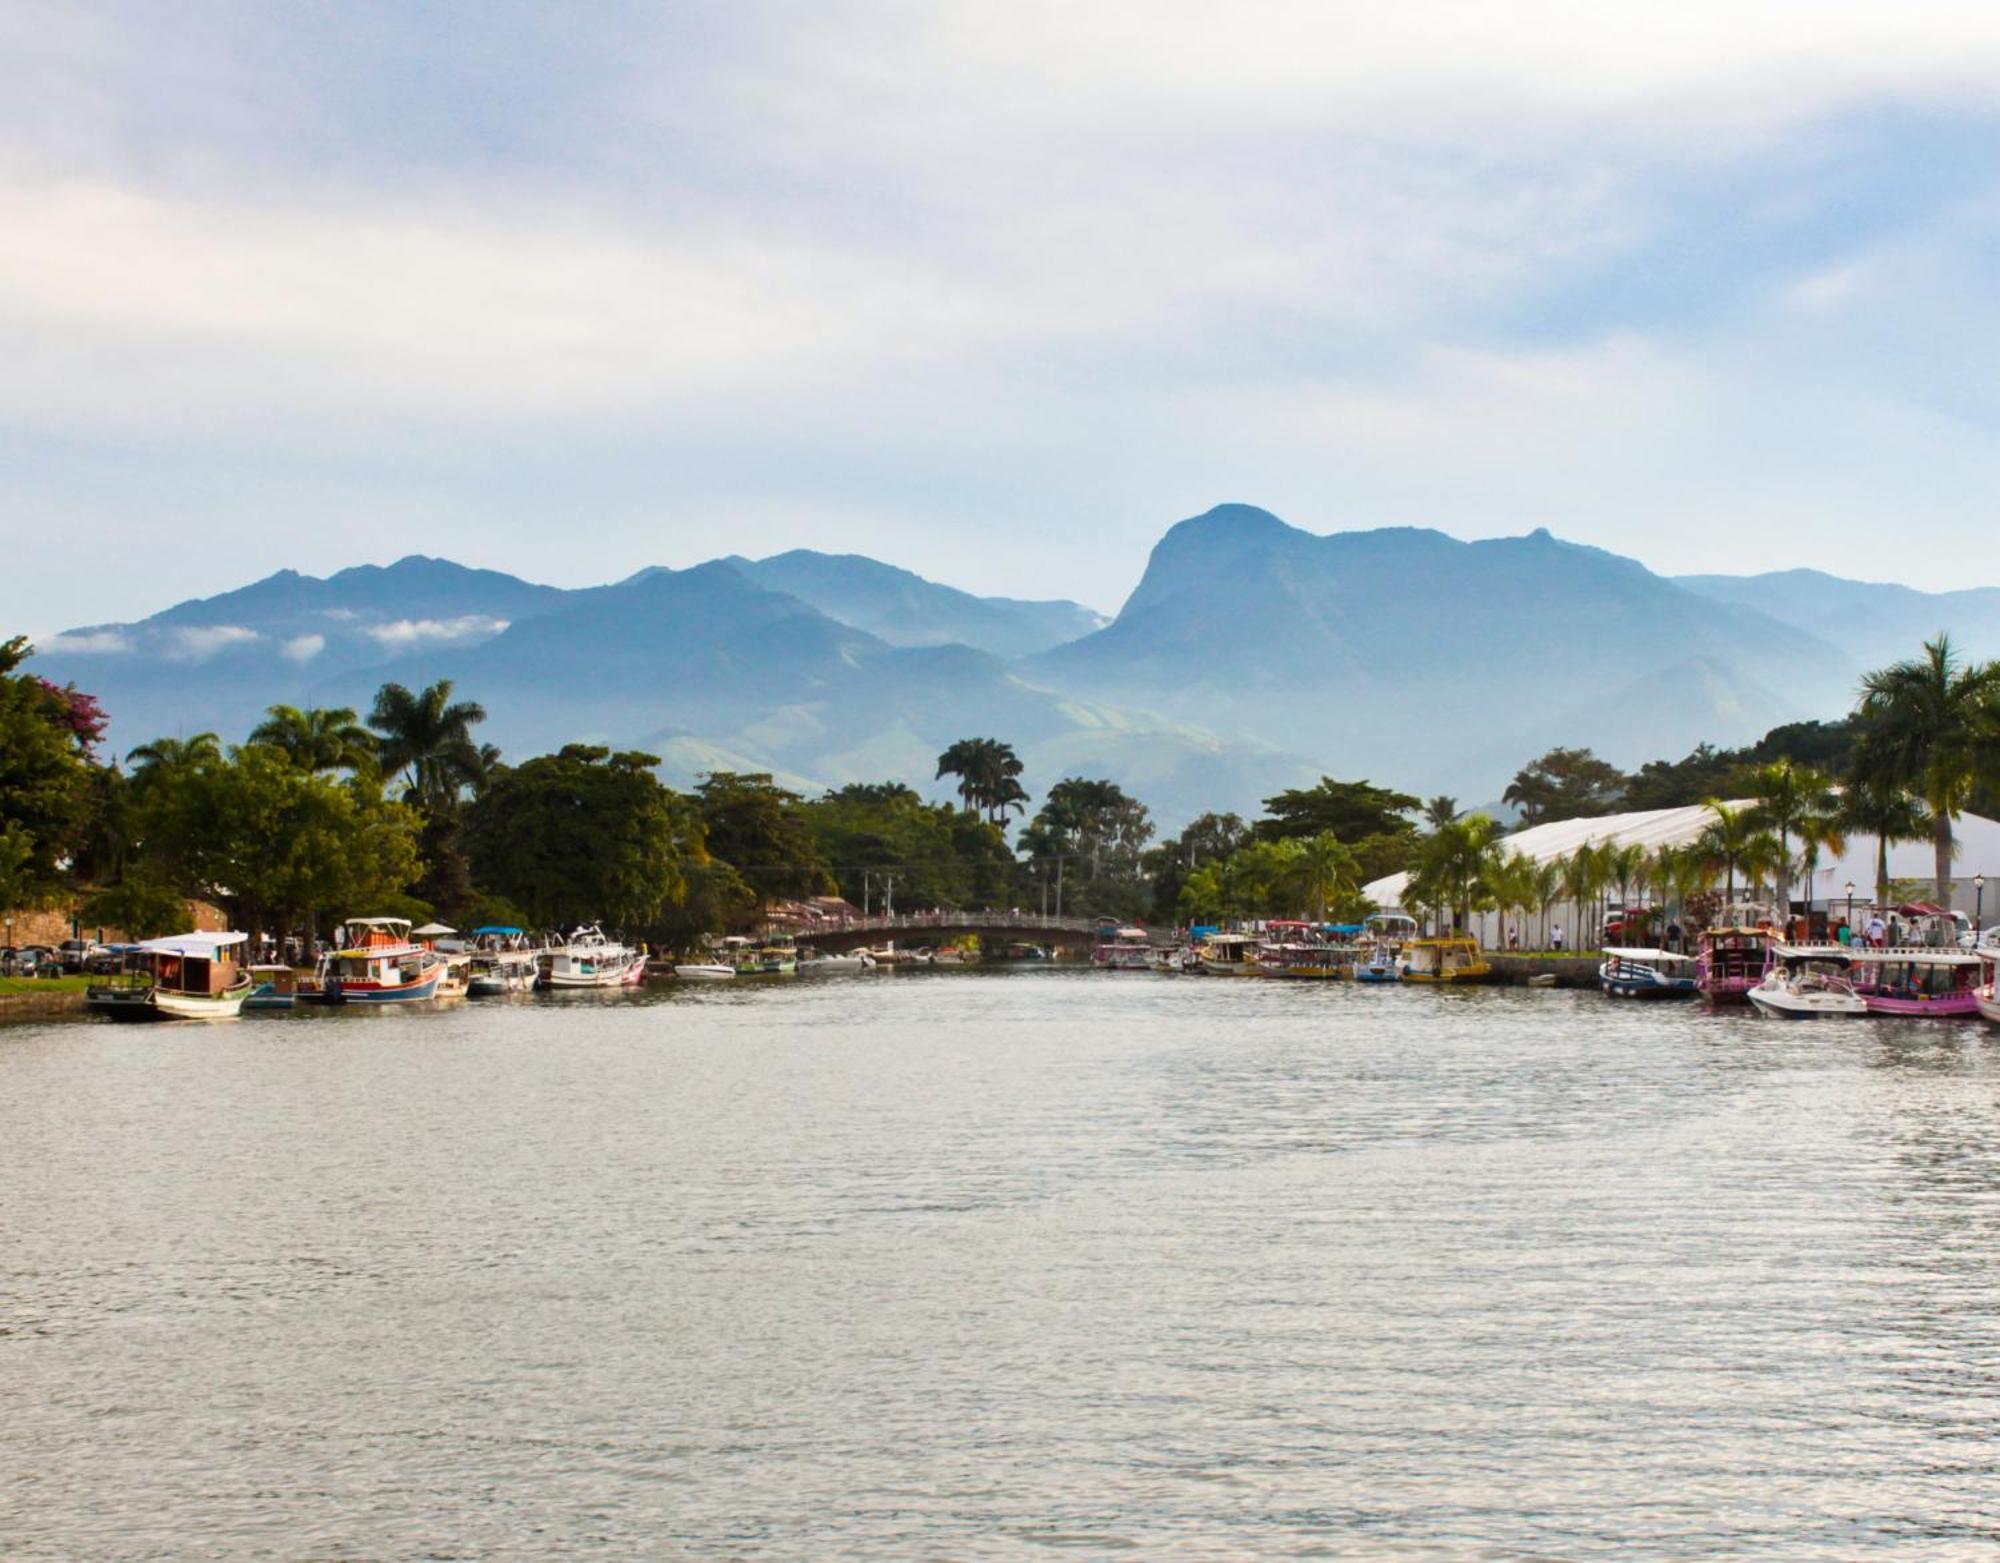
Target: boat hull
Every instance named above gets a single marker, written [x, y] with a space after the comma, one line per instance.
[1989, 1006]
[340, 991]
[697, 973]
[611, 977]
[1946, 1006]
[150, 1006]
[1781, 1004]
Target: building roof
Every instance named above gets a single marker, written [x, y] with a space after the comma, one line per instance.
[1978, 851]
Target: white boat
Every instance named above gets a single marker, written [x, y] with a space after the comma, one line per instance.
[589, 960]
[188, 976]
[1222, 955]
[1809, 982]
[860, 960]
[1989, 977]
[503, 962]
[705, 971]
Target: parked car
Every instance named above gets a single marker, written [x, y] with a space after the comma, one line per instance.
[107, 960]
[34, 960]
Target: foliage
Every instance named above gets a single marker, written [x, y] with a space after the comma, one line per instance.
[937, 856]
[144, 905]
[988, 773]
[759, 829]
[1208, 839]
[427, 739]
[1449, 865]
[1926, 724]
[1566, 784]
[1789, 800]
[1353, 811]
[44, 768]
[585, 835]
[1089, 837]
[318, 740]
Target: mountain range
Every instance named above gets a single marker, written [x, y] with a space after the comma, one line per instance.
[1252, 656]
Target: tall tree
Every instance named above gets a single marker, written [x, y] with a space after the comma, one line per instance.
[1448, 865]
[1924, 725]
[1733, 843]
[1089, 836]
[426, 739]
[1440, 811]
[45, 768]
[988, 774]
[1880, 808]
[1785, 797]
[759, 829]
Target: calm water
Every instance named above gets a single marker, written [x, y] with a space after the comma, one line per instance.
[984, 1264]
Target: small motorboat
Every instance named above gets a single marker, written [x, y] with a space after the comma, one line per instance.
[830, 965]
[1807, 995]
[589, 960]
[1379, 964]
[273, 987]
[1986, 996]
[705, 971]
[1446, 958]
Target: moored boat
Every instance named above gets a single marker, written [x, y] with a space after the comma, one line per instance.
[1921, 982]
[1732, 958]
[1446, 958]
[1985, 995]
[1634, 972]
[274, 987]
[1809, 982]
[1126, 948]
[704, 971]
[188, 976]
[1302, 952]
[1222, 955]
[1379, 963]
[375, 962]
[503, 962]
[587, 959]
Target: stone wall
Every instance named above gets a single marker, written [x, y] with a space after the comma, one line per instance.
[52, 925]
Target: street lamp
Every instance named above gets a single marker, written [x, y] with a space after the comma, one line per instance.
[1978, 901]
[1850, 906]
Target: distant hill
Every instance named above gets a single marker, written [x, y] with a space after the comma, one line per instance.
[1251, 656]
[1873, 622]
[907, 610]
[1417, 659]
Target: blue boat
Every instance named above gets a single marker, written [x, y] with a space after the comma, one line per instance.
[1632, 973]
[277, 988]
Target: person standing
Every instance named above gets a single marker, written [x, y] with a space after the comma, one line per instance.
[1556, 937]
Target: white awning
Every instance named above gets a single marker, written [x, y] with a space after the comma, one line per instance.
[195, 946]
[433, 931]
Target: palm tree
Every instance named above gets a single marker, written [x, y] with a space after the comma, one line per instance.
[1582, 877]
[163, 756]
[1509, 883]
[428, 739]
[1325, 868]
[1548, 885]
[1820, 832]
[1450, 861]
[1727, 840]
[1784, 797]
[318, 740]
[986, 770]
[1889, 814]
[1440, 811]
[1923, 725]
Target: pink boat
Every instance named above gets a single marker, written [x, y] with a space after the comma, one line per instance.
[1921, 981]
[1732, 960]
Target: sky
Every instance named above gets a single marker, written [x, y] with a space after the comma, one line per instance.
[995, 292]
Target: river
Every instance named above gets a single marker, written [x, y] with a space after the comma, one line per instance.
[990, 1264]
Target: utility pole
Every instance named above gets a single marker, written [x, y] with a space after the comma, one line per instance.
[866, 875]
[1059, 877]
[889, 895]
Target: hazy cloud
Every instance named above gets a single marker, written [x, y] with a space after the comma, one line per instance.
[401, 634]
[199, 642]
[303, 648]
[84, 643]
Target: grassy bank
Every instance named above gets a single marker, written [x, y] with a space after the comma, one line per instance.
[13, 985]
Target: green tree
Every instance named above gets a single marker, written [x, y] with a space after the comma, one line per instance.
[585, 835]
[988, 774]
[426, 740]
[1449, 864]
[45, 769]
[1883, 809]
[1440, 811]
[1353, 811]
[1785, 798]
[1089, 837]
[759, 829]
[1924, 726]
[1566, 784]
[1208, 839]
[318, 740]
[1733, 843]
[936, 855]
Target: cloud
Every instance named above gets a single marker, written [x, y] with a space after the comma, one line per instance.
[199, 642]
[83, 643]
[303, 648]
[402, 634]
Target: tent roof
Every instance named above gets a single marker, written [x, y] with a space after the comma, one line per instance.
[195, 946]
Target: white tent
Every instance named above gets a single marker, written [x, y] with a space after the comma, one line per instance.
[1978, 856]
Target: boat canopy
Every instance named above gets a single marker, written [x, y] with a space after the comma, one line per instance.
[194, 946]
[1633, 952]
[378, 922]
[479, 932]
[434, 931]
